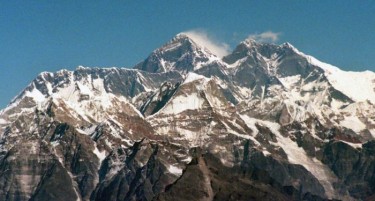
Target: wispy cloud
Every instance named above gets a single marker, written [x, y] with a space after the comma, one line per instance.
[268, 36]
[206, 40]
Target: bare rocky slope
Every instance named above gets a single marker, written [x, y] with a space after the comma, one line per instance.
[266, 122]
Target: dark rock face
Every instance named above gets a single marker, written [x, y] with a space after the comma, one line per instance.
[263, 123]
[138, 174]
[355, 167]
[295, 180]
[245, 182]
[81, 162]
[182, 189]
[31, 172]
[157, 100]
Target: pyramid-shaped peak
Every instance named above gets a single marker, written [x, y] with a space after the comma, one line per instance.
[186, 43]
[181, 54]
[181, 40]
[291, 47]
[181, 36]
[190, 37]
[249, 42]
[203, 41]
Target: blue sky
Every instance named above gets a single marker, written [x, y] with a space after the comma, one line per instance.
[46, 35]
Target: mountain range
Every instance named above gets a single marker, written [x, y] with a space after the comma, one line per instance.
[265, 122]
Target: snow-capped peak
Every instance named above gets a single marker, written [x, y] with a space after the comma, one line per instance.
[198, 43]
[80, 67]
[179, 40]
[287, 44]
[264, 104]
[359, 86]
[249, 42]
[204, 41]
[181, 36]
[182, 53]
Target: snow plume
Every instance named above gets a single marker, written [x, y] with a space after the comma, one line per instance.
[267, 36]
[202, 38]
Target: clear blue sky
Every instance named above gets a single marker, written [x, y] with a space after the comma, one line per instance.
[38, 36]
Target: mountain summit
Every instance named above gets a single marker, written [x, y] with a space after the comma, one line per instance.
[181, 54]
[265, 122]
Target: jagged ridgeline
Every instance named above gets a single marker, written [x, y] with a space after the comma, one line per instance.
[265, 122]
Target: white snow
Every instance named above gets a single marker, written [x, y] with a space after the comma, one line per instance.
[237, 63]
[98, 84]
[191, 77]
[266, 153]
[290, 81]
[185, 102]
[336, 105]
[262, 96]
[67, 91]
[170, 46]
[84, 89]
[187, 159]
[175, 170]
[90, 130]
[134, 108]
[244, 91]
[359, 86]
[3, 121]
[211, 59]
[36, 95]
[34, 148]
[182, 103]
[352, 122]
[101, 155]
